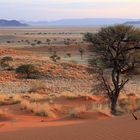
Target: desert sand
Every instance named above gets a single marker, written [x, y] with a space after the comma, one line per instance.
[115, 128]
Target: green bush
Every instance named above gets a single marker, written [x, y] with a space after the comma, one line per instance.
[27, 69]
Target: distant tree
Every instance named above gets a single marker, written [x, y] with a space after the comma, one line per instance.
[38, 42]
[81, 50]
[27, 69]
[8, 41]
[27, 41]
[115, 47]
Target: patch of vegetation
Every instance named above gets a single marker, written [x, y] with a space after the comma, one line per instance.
[27, 69]
[5, 62]
[55, 57]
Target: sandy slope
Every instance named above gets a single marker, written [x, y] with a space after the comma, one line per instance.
[117, 128]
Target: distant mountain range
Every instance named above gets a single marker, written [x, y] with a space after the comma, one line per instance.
[71, 22]
[133, 22]
[77, 22]
[4, 22]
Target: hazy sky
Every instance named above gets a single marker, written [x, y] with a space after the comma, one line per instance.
[59, 9]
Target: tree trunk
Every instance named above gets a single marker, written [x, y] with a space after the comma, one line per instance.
[115, 94]
[113, 105]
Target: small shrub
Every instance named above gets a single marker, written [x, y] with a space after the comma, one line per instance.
[76, 112]
[37, 85]
[38, 42]
[55, 57]
[36, 97]
[128, 104]
[8, 41]
[68, 54]
[5, 62]
[27, 69]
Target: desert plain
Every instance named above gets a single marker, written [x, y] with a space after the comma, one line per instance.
[59, 101]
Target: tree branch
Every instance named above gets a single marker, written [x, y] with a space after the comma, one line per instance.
[107, 87]
[122, 84]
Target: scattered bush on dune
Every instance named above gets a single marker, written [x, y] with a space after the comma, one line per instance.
[55, 57]
[27, 69]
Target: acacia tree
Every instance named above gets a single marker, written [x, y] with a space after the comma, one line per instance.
[115, 47]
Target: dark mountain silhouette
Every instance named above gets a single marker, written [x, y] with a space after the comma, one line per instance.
[4, 22]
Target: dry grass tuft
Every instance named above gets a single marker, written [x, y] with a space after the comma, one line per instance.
[16, 98]
[36, 97]
[37, 108]
[76, 112]
[37, 85]
[69, 95]
[129, 104]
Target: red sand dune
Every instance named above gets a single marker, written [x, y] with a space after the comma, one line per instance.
[117, 128]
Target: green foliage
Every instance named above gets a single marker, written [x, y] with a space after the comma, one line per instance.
[27, 69]
[113, 44]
